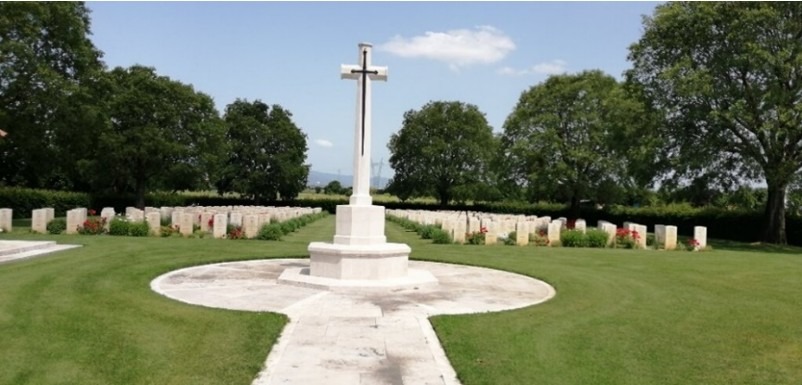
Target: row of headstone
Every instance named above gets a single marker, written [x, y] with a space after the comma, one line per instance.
[459, 224]
[184, 219]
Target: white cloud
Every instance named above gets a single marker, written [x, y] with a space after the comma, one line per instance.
[552, 67]
[324, 143]
[458, 48]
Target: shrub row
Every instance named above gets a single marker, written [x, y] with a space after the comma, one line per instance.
[23, 200]
[590, 238]
[275, 230]
[433, 232]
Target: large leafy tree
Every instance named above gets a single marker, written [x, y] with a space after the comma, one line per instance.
[564, 137]
[46, 59]
[160, 133]
[728, 77]
[266, 152]
[443, 149]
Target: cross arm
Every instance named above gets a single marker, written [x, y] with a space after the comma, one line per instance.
[380, 75]
[350, 71]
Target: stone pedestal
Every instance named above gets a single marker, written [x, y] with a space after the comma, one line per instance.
[371, 262]
[359, 250]
[359, 225]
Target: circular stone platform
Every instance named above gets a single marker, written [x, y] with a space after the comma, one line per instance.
[354, 336]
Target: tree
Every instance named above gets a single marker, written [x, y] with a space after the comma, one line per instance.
[160, 134]
[267, 152]
[728, 77]
[334, 187]
[46, 58]
[444, 150]
[563, 137]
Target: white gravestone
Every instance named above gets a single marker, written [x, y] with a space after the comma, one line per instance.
[154, 220]
[175, 218]
[235, 219]
[659, 237]
[608, 228]
[107, 213]
[580, 225]
[50, 214]
[641, 229]
[700, 235]
[205, 218]
[250, 225]
[75, 219]
[166, 212]
[521, 233]
[553, 232]
[220, 225]
[491, 236]
[39, 221]
[185, 227]
[5, 220]
[671, 238]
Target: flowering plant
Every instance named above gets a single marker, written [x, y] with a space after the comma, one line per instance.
[693, 245]
[235, 232]
[93, 225]
[539, 238]
[627, 239]
[475, 238]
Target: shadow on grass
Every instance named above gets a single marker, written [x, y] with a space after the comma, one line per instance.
[718, 244]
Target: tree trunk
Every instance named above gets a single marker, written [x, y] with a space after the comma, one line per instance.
[444, 198]
[574, 210]
[140, 194]
[443, 194]
[774, 216]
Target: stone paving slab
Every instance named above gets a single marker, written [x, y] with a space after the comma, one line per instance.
[16, 250]
[357, 337]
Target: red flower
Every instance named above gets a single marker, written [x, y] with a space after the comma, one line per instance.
[483, 230]
[211, 222]
[92, 212]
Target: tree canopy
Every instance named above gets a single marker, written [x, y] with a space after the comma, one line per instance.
[266, 152]
[46, 58]
[444, 149]
[728, 77]
[160, 133]
[564, 137]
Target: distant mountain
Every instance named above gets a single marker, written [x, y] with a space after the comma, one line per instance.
[317, 178]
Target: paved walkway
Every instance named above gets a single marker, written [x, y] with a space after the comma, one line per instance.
[354, 337]
[14, 250]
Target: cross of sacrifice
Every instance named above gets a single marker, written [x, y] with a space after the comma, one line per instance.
[363, 73]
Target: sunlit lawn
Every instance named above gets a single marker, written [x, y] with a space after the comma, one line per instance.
[730, 316]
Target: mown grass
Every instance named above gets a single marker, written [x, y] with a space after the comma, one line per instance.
[633, 317]
[730, 316]
[88, 316]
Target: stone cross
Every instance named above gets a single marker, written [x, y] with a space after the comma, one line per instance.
[363, 73]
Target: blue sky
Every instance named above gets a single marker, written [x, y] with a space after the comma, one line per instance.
[290, 54]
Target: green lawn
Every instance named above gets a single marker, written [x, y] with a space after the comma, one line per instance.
[730, 316]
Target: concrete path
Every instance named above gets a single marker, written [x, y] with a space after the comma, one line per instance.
[14, 250]
[375, 336]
